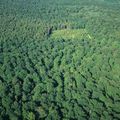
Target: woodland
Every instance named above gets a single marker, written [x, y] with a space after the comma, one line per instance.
[59, 60]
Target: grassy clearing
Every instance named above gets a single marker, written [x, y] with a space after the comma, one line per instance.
[70, 34]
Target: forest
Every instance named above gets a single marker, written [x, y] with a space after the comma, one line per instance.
[59, 59]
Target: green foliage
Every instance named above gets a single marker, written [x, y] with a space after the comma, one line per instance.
[31, 116]
[59, 60]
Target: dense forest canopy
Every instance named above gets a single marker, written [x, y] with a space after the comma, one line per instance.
[59, 59]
